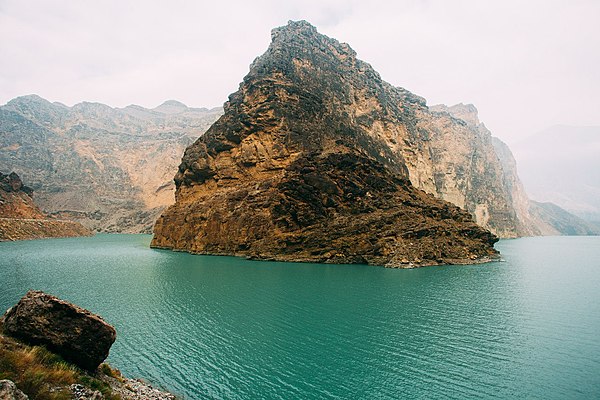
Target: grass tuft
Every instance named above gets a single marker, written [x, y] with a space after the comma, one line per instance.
[35, 370]
[43, 375]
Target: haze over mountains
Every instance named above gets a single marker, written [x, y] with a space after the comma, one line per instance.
[112, 168]
[562, 165]
[108, 168]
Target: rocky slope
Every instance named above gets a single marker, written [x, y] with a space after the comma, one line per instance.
[313, 161]
[21, 219]
[544, 218]
[554, 220]
[109, 168]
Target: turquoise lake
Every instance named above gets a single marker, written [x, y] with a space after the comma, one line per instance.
[229, 328]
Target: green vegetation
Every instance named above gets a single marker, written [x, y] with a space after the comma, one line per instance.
[43, 375]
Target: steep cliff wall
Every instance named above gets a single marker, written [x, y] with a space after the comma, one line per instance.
[111, 169]
[468, 171]
[311, 162]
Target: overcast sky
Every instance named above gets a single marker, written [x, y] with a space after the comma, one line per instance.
[526, 65]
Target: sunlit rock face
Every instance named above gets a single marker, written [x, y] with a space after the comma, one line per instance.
[109, 168]
[316, 158]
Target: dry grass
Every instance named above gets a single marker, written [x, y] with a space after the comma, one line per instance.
[42, 375]
[37, 372]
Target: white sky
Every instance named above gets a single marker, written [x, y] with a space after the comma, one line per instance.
[526, 65]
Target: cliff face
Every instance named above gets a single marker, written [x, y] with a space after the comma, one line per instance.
[21, 219]
[312, 161]
[110, 169]
[474, 170]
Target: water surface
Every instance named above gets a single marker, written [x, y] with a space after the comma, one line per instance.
[224, 327]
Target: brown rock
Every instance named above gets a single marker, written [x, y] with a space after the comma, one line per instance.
[301, 167]
[21, 219]
[75, 334]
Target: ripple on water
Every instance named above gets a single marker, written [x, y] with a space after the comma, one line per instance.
[222, 327]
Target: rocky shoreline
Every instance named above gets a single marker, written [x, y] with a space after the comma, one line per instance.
[21, 219]
[51, 349]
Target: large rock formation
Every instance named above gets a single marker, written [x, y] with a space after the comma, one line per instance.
[108, 168]
[21, 219]
[75, 334]
[312, 161]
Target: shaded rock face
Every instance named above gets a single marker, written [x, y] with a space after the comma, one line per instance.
[310, 162]
[12, 183]
[75, 334]
[109, 168]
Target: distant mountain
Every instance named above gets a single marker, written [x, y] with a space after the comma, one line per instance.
[109, 168]
[562, 165]
[553, 220]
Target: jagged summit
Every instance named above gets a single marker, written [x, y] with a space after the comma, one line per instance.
[465, 112]
[308, 164]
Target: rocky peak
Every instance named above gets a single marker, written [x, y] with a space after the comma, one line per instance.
[465, 112]
[38, 109]
[307, 164]
[12, 183]
[171, 107]
[92, 108]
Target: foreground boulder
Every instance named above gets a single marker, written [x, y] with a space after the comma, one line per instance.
[75, 334]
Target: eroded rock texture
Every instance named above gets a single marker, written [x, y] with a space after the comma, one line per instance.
[75, 334]
[316, 158]
[109, 168]
[20, 218]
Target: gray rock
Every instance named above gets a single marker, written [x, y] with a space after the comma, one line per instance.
[9, 391]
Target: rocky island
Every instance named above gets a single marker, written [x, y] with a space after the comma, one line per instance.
[316, 159]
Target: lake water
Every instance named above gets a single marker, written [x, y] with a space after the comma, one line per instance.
[228, 328]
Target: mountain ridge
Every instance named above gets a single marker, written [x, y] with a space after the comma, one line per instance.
[97, 164]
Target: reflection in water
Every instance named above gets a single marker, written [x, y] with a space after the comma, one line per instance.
[223, 327]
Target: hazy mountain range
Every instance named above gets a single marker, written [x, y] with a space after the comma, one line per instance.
[112, 168]
[562, 165]
[108, 168]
